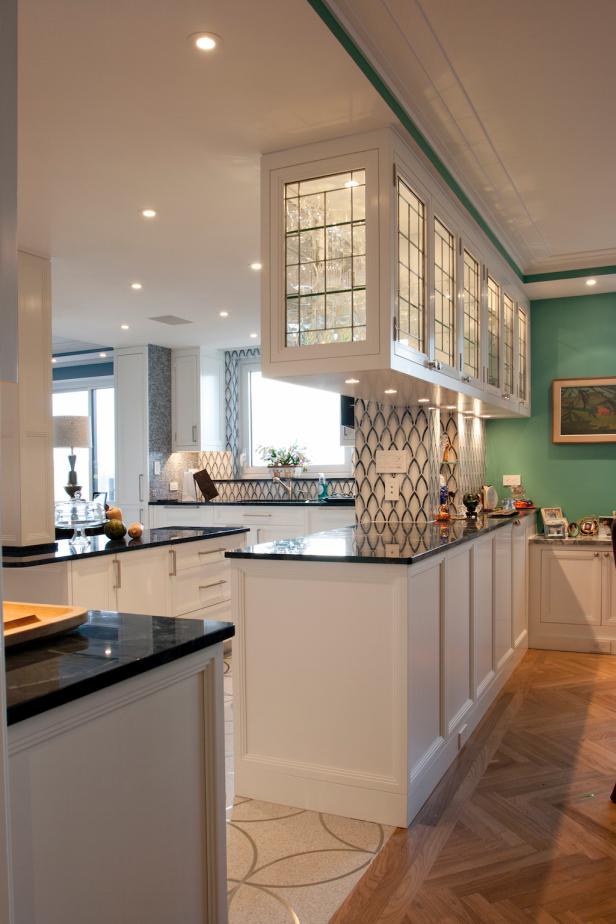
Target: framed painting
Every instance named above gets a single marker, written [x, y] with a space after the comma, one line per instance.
[584, 410]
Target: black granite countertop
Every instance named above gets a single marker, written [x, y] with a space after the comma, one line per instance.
[401, 544]
[100, 545]
[106, 649]
[346, 502]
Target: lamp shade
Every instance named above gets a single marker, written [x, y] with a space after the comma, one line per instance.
[71, 432]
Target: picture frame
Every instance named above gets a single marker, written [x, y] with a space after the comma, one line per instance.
[551, 515]
[584, 410]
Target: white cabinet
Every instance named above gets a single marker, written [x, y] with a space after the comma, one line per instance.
[573, 596]
[275, 521]
[483, 607]
[92, 583]
[389, 281]
[503, 641]
[141, 582]
[522, 530]
[197, 399]
[457, 635]
[132, 447]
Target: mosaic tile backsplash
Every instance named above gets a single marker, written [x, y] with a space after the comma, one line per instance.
[424, 433]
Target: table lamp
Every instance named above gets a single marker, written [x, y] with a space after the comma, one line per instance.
[72, 433]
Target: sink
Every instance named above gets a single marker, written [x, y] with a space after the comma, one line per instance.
[24, 622]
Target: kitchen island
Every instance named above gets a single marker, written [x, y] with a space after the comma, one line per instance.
[116, 761]
[364, 658]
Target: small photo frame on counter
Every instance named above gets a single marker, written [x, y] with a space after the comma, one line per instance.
[555, 525]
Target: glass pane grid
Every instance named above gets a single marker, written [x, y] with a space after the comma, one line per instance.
[508, 315]
[325, 259]
[444, 293]
[411, 268]
[472, 303]
[493, 332]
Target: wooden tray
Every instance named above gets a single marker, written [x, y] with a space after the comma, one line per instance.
[501, 512]
[25, 622]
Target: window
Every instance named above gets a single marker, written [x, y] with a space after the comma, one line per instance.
[411, 276]
[96, 467]
[444, 293]
[277, 413]
[325, 259]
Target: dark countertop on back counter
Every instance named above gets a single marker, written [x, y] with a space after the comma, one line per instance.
[329, 505]
[106, 649]
[400, 544]
[100, 545]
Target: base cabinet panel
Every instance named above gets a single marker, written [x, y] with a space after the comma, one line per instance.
[456, 636]
[503, 632]
[571, 587]
[424, 659]
[482, 555]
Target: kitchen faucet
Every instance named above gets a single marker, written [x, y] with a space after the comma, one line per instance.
[287, 485]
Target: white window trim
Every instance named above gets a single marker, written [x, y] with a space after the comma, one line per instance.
[263, 471]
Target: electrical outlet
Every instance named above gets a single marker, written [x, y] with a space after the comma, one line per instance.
[392, 487]
[392, 550]
[394, 461]
[174, 486]
[512, 481]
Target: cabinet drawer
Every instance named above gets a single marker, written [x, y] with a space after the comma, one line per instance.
[220, 611]
[195, 554]
[260, 516]
[202, 586]
[183, 515]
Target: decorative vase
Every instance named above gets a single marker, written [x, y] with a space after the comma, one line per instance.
[284, 471]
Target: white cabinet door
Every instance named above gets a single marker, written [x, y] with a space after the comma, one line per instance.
[571, 586]
[424, 663]
[131, 403]
[457, 616]
[483, 599]
[92, 581]
[519, 580]
[608, 609]
[322, 518]
[142, 582]
[185, 400]
[503, 641]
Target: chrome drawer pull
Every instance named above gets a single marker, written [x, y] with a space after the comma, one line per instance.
[213, 584]
[264, 515]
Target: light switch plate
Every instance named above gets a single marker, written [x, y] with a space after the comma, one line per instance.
[512, 481]
[392, 461]
[392, 487]
[174, 486]
[157, 467]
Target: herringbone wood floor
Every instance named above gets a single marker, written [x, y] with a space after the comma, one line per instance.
[521, 829]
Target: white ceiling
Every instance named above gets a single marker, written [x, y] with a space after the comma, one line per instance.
[517, 98]
[118, 112]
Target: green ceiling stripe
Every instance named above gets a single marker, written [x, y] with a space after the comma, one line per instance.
[571, 274]
[334, 25]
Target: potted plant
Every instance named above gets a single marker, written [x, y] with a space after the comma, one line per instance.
[284, 461]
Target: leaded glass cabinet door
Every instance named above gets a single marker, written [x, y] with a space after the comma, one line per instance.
[508, 345]
[410, 319]
[493, 334]
[445, 327]
[523, 353]
[324, 263]
[471, 315]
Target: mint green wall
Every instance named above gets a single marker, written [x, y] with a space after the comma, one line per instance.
[570, 338]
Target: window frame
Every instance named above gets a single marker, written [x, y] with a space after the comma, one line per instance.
[263, 471]
[90, 384]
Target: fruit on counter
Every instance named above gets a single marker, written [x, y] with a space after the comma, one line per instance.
[114, 529]
[114, 513]
[135, 530]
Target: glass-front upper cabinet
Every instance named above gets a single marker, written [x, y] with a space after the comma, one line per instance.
[411, 326]
[445, 309]
[508, 345]
[522, 389]
[471, 317]
[493, 333]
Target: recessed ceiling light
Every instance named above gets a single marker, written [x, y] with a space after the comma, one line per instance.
[486, 416]
[351, 381]
[149, 213]
[223, 314]
[391, 391]
[434, 408]
[423, 400]
[103, 355]
[136, 285]
[350, 183]
[253, 336]
[256, 266]
[205, 41]
[53, 359]
[124, 327]
[450, 407]
[591, 282]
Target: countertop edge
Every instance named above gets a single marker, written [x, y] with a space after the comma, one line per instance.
[19, 712]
